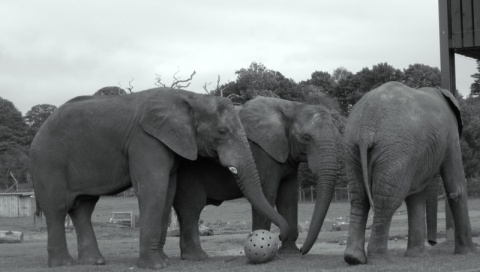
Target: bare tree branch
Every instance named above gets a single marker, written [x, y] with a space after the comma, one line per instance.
[130, 87]
[205, 87]
[176, 83]
[158, 81]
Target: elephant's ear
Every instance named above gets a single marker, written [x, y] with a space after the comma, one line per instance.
[452, 102]
[171, 122]
[265, 124]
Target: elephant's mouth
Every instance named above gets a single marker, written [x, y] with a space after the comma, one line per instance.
[302, 157]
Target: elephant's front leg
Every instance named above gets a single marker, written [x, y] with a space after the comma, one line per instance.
[269, 188]
[416, 224]
[287, 206]
[166, 213]
[151, 165]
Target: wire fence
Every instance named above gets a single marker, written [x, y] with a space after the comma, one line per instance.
[306, 195]
[341, 194]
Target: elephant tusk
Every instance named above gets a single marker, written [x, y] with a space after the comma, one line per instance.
[233, 170]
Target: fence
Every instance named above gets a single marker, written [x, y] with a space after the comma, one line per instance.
[309, 194]
[342, 195]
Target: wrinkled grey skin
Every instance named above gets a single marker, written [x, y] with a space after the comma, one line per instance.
[397, 139]
[96, 145]
[282, 134]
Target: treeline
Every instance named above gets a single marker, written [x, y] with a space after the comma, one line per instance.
[338, 91]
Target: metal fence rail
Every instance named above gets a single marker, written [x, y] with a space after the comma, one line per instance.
[309, 194]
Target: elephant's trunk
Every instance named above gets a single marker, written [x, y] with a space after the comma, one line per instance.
[248, 181]
[323, 163]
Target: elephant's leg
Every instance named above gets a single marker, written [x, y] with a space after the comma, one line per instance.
[58, 254]
[151, 164]
[416, 224]
[269, 188]
[455, 187]
[287, 206]
[166, 213]
[355, 251]
[190, 200]
[387, 199]
[88, 252]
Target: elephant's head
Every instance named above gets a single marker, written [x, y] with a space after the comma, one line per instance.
[193, 124]
[301, 132]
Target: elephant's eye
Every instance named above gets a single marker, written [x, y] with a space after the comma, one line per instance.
[222, 131]
[306, 137]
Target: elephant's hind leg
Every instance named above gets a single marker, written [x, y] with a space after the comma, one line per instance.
[88, 252]
[58, 254]
[455, 186]
[188, 204]
[416, 225]
[355, 252]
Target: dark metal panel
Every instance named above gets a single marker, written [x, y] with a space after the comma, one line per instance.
[467, 23]
[456, 21]
[447, 56]
[476, 21]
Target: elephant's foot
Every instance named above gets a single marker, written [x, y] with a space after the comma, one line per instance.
[95, 260]
[289, 248]
[354, 256]
[151, 261]
[416, 252]
[90, 256]
[465, 249]
[61, 260]
[380, 259]
[194, 255]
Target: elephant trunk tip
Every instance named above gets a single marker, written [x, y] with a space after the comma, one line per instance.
[304, 251]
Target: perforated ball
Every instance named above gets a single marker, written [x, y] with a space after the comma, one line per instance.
[261, 246]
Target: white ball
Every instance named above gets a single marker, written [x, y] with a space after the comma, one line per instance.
[261, 246]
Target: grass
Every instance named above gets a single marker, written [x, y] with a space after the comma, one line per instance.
[119, 245]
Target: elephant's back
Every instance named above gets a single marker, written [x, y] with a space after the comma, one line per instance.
[396, 113]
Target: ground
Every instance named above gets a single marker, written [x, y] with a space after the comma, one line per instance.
[231, 223]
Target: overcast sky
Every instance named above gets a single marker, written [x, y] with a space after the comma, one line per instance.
[51, 51]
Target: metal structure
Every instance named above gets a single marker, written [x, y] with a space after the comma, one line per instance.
[459, 33]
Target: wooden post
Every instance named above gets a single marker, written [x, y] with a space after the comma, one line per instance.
[447, 68]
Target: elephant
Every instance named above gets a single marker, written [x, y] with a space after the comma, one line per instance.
[98, 145]
[281, 134]
[397, 139]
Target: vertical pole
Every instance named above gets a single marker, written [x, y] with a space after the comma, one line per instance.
[447, 67]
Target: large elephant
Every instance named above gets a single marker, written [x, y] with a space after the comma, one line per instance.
[397, 139]
[95, 145]
[282, 134]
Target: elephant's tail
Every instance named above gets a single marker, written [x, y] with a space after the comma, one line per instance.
[364, 163]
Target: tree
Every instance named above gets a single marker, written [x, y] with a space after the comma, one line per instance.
[111, 90]
[470, 140]
[475, 87]
[322, 80]
[14, 159]
[421, 75]
[37, 116]
[14, 141]
[13, 130]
